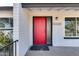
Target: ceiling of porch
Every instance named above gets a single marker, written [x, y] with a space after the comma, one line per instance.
[51, 6]
[54, 8]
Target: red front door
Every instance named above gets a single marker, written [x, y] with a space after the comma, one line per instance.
[39, 25]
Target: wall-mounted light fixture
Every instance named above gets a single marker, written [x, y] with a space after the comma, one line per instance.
[56, 18]
[56, 22]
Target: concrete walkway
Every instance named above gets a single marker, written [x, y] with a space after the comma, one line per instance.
[56, 51]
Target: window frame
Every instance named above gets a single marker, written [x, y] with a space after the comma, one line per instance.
[71, 37]
[7, 29]
[9, 21]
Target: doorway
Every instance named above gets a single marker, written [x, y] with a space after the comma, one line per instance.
[42, 30]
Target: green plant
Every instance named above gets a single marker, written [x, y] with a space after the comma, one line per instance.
[4, 39]
[71, 26]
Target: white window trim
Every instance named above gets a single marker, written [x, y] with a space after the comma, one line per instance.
[6, 28]
[76, 27]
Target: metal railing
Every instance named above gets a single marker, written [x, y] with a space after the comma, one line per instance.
[8, 49]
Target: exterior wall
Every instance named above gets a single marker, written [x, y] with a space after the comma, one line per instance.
[58, 29]
[21, 30]
[16, 27]
[6, 13]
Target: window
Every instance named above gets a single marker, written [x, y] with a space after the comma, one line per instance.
[6, 27]
[71, 27]
[77, 26]
[6, 23]
[6, 34]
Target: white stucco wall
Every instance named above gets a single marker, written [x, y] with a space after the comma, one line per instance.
[16, 27]
[6, 13]
[21, 30]
[58, 30]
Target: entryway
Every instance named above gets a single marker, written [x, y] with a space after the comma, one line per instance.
[42, 32]
[56, 51]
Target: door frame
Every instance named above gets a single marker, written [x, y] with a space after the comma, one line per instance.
[45, 27]
[51, 30]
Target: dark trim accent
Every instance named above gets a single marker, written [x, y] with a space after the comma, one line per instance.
[71, 37]
[6, 8]
[33, 30]
[46, 29]
[15, 49]
[6, 29]
[51, 31]
[28, 5]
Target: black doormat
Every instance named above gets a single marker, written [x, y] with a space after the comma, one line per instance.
[39, 47]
